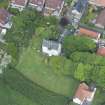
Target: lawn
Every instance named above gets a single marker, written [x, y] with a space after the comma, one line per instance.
[9, 96]
[32, 65]
[20, 87]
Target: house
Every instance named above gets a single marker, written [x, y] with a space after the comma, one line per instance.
[101, 47]
[18, 4]
[100, 20]
[37, 4]
[89, 33]
[52, 48]
[5, 19]
[53, 7]
[100, 3]
[79, 9]
[84, 94]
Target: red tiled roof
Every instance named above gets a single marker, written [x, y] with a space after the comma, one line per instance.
[37, 2]
[83, 92]
[101, 51]
[4, 14]
[19, 2]
[55, 4]
[101, 18]
[89, 33]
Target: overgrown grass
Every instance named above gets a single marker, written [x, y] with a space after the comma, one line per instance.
[9, 96]
[33, 65]
[38, 95]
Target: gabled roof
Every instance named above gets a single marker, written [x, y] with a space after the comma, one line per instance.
[4, 16]
[54, 4]
[101, 18]
[83, 92]
[19, 2]
[89, 33]
[50, 44]
[37, 2]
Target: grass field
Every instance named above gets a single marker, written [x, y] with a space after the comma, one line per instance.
[36, 95]
[9, 96]
[32, 65]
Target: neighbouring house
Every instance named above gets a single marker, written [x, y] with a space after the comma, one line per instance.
[18, 4]
[84, 94]
[89, 33]
[79, 9]
[100, 3]
[37, 4]
[101, 47]
[100, 20]
[53, 7]
[52, 48]
[5, 19]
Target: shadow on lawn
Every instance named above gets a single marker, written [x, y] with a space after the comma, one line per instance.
[34, 92]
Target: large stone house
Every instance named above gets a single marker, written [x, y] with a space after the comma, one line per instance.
[18, 4]
[5, 19]
[51, 48]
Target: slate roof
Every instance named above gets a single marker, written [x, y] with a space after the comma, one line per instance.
[81, 5]
[50, 44]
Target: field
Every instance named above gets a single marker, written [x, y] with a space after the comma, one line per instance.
[32, 65]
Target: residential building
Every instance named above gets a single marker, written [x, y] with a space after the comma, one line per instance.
[53, 7]
[100, 20]
[100, 3]
[51, 48]
[5, 19]
[84, 94]
[89, 33]
[18, 4]
[37, 4]
[79, 9]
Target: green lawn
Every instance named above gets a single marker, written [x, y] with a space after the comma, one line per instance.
[32, 65]
[9, 96]
[27, 90]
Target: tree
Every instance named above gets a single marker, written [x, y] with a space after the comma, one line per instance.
[78, 43]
